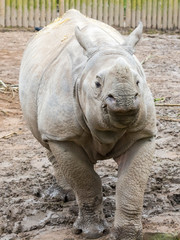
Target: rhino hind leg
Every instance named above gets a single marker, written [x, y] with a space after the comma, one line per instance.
[63, 191]
[86, 184]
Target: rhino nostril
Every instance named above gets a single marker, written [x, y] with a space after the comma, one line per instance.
[110, 96]
[136, 95]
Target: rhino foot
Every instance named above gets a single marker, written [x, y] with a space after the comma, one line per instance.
[127, 232]
[57, 193]
[90, 228]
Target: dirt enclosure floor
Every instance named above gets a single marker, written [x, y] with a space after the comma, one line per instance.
[27, 211]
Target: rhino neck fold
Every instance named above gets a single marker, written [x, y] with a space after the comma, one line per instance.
[78, 109]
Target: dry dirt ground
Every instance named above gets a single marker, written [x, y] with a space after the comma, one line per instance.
[27, 211]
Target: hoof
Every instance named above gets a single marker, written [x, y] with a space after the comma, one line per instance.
[56, 193]
[127, 232]
[91, 230]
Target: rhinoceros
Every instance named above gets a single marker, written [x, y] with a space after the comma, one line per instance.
[85, 98]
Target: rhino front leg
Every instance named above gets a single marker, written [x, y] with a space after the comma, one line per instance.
[134, 169]
[79, 173]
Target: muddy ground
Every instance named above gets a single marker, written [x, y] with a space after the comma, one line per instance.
[27, 211]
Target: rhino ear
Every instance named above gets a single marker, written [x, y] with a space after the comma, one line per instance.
[135, 36]
[85, 42]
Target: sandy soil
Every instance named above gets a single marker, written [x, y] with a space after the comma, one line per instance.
[27, 211]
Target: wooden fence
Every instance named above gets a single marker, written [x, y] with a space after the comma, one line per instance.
[156, 14]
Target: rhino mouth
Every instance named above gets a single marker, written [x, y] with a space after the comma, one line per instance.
[120, 119]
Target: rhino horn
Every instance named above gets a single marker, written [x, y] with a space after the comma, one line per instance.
[85, 42]
[135, 36]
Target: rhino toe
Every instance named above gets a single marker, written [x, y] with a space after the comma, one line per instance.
[91, 230]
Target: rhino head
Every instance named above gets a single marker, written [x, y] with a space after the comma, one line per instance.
[111, 86]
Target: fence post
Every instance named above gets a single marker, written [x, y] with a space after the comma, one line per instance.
[178, 14]
[2, 13]
[133, 11]
[117, 9]
[78, 5]
[25, 13]
[54, 9]
[89, 8]
[149, 14]
[128, 13]
[83, 7]
[159, 14]
[61, 7]
[72, 4]
[19, 13]
[175, 14]
[31, 13]
[48, 11]
[154, 14]
[121, 13]
[36, 13]
[138, 11]
[143, 18]
[111, 12]
[42, 13]
[165, 15]
[94, 9]
[13, 13]
[170, 9]
[105, 18]
[100, 10]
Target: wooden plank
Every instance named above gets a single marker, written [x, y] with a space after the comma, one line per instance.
[94, 9]
[170, 14]
[83, 7]
[175, 14]
[31, 13]
[42, 13]
[117, 12]
[111, 12]
[2, 13]
[89, 8]
[66, 5]
[78, 4]
[36, 13]
[48, 11]
[100, 10]
[138, 11]
[128, 13]
[154, 14]
[133, 12]
[149, 13]
[106, 15]
[8, 13]
[13, 13]
[53, 10]
[25, 13]
[159, 14]
[19, 13]
[165, 14]
[143, 13]
[121, 13]
[71, 4]
[61, 7]
[178, 14]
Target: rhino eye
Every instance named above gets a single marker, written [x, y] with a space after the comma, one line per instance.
[137, 83]
[98, 85]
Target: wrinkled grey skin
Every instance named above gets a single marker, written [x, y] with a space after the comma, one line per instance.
[85, 98]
